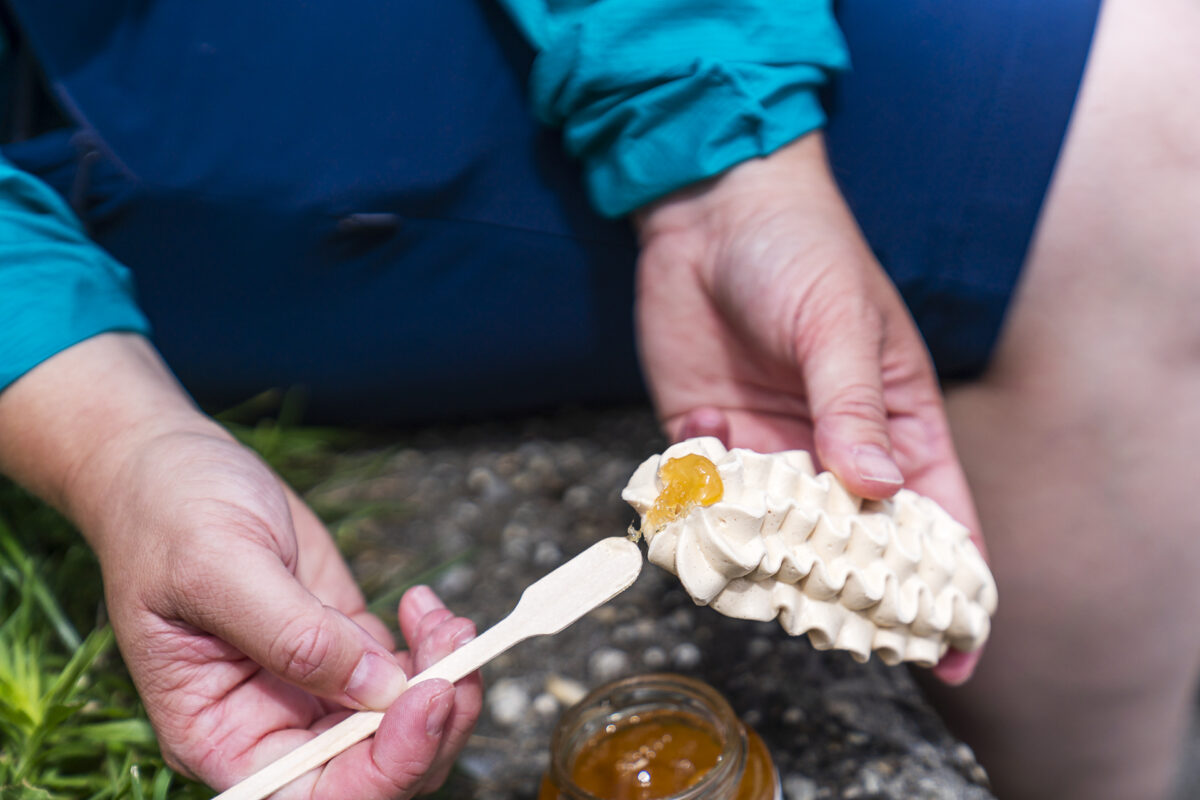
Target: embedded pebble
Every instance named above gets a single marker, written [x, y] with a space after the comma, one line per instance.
[797, 787]
[487, 485]
[686, 656]
[545, 704]
[547, 554]
[455, 580]
[759, 646]
[508, 702]
[579, 497]
[607, 664]
[654, 657]
[565, 690]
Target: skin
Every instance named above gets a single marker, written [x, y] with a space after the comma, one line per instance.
[235, 666]
[1088, 418]
[764, 320]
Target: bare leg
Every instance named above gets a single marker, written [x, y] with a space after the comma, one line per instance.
[1082, 443]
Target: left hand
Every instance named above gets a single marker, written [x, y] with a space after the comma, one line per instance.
[765, 320]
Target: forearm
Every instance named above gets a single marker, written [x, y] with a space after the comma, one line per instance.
[66, 424]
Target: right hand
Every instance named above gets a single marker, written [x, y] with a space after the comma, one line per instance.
[765, 320]
[237, 618]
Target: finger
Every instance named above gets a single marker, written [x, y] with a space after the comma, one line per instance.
[705, 421]
[433, 632]
[843, 377]
[956, 667]
[415, 605]
[397, 760]
[468, 698]
[468, 701]
[264, 612]
[323, 571]
[441, 640]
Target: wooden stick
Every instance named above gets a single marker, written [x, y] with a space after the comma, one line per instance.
[588, 580]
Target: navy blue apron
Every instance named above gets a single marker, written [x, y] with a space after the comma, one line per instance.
[350, 195]
[346, 196]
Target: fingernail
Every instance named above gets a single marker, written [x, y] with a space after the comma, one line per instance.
[376, 682]
[436, 712]
[424, 600]
[463, 636]
[872, 463]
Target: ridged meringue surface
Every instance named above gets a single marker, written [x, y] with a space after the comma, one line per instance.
[899, 577]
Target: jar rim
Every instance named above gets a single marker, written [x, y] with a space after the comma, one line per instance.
[661, 685]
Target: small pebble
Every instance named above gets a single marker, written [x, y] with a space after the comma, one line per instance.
[482, 481]
[465, 514]
[508, 702]
[870, 781]
[607, 664]
[456, 580]
[545, 705]
[797, 787]
[579, 497]
[654, 657]
[547, 554]
[565, 690]
[686, 656]
[758, 647]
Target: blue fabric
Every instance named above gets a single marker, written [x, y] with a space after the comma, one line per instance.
[653, 96]
[57, 288]
[349, 197]
[943, 137]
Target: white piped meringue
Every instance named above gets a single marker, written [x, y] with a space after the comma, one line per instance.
[899, 577]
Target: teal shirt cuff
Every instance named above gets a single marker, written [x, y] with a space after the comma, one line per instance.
[57, 287]
[698, 127]
[654, 95]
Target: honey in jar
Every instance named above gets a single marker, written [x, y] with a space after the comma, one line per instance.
[657, 737]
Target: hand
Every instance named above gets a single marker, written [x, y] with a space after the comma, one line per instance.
[765, 320]
[237, 618]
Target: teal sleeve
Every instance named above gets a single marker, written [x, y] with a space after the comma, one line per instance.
[655, 94]
[57, 287]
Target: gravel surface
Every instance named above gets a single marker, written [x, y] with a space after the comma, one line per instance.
[487, 509]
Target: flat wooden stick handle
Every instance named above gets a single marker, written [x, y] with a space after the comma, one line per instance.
[592, 578]
[358, 726]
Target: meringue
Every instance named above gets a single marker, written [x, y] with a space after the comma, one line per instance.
[898, 577]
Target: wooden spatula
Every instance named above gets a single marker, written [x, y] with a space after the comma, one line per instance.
[588, 580]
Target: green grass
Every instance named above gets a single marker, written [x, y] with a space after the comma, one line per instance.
[70, 722]
[71, 725]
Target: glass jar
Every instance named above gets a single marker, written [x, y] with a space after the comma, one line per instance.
[657, 737]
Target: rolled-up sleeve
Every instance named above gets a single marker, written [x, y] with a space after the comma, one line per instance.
[57, 287]
[653, 95]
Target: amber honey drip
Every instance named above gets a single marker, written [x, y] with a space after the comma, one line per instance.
[687, 481]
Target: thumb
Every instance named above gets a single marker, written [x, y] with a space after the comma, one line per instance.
[267, 614]
[844, 381]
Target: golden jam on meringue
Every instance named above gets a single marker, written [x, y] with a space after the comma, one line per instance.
[687, 481]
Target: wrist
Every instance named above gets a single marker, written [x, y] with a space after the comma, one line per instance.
[67, 425]
[800, 167]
